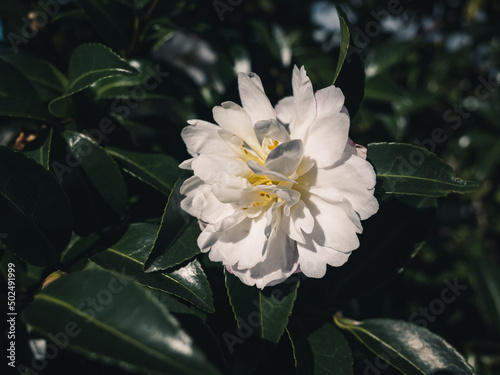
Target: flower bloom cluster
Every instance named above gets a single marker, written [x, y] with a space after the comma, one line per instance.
[278, 190]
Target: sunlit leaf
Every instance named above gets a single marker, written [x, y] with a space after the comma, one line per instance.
[408, 347]
[177, 237]
[129, 254]
[89, 63]
[108, 318]
[412, 170]
[345, 39]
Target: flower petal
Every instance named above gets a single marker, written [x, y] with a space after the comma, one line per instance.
[281, 259]
[244, 243]
[254, 98]
[234, 119]
[201, 203]
[313, 258]
[286, 157]
[304, 101]
[352, 178]
[326, 139]
[271, 129]
[211, 167]
[286, 112]
[262, 171]
[298, 222]
[336, 225]
[202, 137]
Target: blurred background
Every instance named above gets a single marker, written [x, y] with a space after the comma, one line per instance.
[428, 74]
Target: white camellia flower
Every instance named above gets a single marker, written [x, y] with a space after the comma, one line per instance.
[278, 190]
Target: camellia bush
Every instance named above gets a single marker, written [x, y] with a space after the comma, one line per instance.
[249, 187]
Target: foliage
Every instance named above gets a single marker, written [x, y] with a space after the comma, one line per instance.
[93, 96]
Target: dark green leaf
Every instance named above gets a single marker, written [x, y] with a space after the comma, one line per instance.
[106, 317]
[177, 236]
[319, 348]
[18, 96]
[39, 149]
[487, 288]
[138, 87]
[409, 348]
[129, 254]
[345, 39]
[100, 169]
[34, 211]
[47, 79]
[412, 170]
[267, 310]
[78, 247]
[158, 170]
[89, 63]
[112, 20]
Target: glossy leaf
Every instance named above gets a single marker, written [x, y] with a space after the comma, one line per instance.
[47, 79]
[267, 310]
[137, 87]
[89, 63]
[157, 170]
[345, 39]
[107, 317]
[408, 347]
[100, 169]
[319, 348]
[177, 237]
[39, 149]
[487, 288]
[34, 211]
[18, 96]
[412, 170]
[129, 254]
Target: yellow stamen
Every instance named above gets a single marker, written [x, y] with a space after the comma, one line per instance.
[273, 146]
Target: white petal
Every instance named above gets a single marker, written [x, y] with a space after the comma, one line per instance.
[201, 203]
[202, 137]
[234, 119]
[355, 149]
[263, 171]
[286, 157]
[298, 222]
[326, 139]
[186, 164]
[244, 243]
[230, 189]
[313, 258]
[335, 225]
[291, 197]
[207, 239]
[352, 178]
[271, 129]
[254, 98]
[286, 112]
[281, 262]
[329, 101]
[212, 167]
[304, 101]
